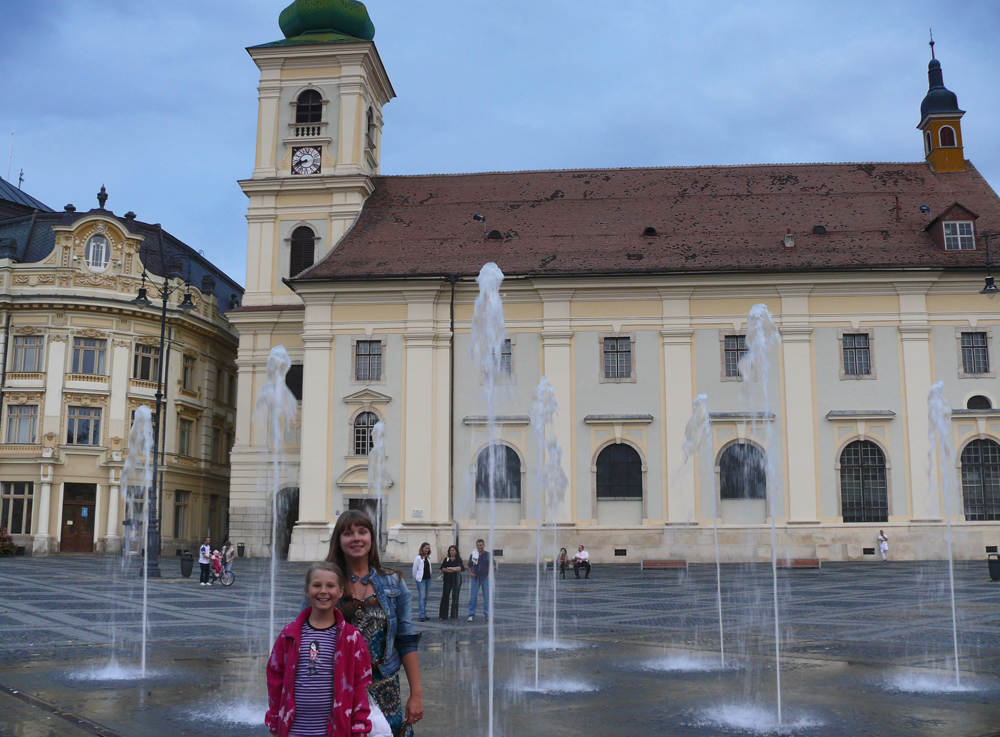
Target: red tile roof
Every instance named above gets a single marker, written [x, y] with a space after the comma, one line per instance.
[708, 219]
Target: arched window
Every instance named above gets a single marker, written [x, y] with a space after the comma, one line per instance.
[303, 248]
[863, 488]
[97, 252]
[741, 473]
[506, 474]
[309, 107]
[619, 473]
[927, 142]
[978, 401]
[363, 425]
[981, 480]
[947, 136]
[371, 129]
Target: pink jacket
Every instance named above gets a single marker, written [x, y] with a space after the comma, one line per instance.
[352, 675]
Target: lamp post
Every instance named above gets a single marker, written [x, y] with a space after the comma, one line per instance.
[990, 290]
[152, 565]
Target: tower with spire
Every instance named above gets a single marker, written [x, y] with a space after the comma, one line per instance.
[940, 122]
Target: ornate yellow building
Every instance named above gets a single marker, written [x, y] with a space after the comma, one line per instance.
[79, 359]
[629, 290]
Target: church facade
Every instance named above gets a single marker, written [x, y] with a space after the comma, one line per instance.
[629, 290]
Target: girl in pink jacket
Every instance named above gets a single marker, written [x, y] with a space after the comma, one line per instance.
[319, 669]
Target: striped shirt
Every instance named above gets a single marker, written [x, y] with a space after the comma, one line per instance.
[314, 681]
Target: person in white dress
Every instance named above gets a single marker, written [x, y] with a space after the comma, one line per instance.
[883, 544]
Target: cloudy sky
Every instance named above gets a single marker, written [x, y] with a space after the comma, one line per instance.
[157, 100]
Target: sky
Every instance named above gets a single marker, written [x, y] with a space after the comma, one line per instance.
[157, 101]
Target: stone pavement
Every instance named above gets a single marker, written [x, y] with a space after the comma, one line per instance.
[843, 629]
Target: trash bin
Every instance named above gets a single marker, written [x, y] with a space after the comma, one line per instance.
[187, 563]
[994, 563]
[240, 549]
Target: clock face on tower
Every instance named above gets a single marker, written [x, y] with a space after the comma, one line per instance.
[305, 159]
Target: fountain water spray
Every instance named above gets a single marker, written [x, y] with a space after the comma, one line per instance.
[138, 473]
[698, 436]
[762, 336]
[276, 409]
[378, 476]
[552, 485]
[939, 440]
[486, 347]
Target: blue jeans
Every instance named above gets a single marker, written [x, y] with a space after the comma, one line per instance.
[477, 585]
[423, 591]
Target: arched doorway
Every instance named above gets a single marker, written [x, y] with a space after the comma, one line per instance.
[288, 515]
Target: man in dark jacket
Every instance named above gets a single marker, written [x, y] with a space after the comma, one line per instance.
[479, 568]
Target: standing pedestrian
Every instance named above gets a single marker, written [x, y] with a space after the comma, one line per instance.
[883, 544]
[422, 575]
[205, 560]
[228, 554]
[479, 569]
[451, 568]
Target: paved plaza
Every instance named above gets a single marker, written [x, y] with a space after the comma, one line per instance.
[856, 637]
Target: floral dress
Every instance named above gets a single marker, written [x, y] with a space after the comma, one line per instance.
[371, 620]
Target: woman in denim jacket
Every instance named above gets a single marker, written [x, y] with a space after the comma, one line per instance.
[378, 603]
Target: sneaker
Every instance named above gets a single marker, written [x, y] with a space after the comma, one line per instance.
[202, 583]
[209, 583]
[470, 619]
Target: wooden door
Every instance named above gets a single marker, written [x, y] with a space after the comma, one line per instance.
[79, 504]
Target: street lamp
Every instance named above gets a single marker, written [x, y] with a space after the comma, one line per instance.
[990, 290]
[142, 300]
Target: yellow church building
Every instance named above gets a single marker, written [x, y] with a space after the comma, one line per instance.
[629, 290]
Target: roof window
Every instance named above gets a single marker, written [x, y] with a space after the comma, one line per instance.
[649, 232]
[959, 235]
[819, 230]
[494, 235]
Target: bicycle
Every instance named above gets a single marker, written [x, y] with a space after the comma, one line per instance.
[226, 578]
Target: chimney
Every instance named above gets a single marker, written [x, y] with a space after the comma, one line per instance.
[789, 239]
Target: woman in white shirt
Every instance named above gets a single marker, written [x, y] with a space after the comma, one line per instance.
[422, 575]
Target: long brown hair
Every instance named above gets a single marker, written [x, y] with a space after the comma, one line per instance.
[347, 520]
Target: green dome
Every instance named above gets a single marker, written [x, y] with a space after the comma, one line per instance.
[347, 17]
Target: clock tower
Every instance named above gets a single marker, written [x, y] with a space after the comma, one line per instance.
[319, 132]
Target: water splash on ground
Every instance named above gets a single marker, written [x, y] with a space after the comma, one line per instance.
[239, 714]
[682, 664]
[757, 720]
[926, 683]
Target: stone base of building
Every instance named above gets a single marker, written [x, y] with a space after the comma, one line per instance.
[912, 540]
[42, 545]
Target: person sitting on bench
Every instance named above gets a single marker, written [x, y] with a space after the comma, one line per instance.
[581, 560]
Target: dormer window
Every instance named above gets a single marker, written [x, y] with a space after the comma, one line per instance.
[97, 253]
[309, 107]
[959, 236]
[947, 134]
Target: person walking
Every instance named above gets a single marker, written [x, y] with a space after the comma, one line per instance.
[883, 544]
[205, 560]
[479, 569]
[422, 575]
[451, 568]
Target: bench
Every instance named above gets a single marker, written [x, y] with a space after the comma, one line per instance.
[798, 563]
[662, 565]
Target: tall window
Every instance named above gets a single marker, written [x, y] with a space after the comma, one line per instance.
[185, 437]
[368, 360]
[857, 354]
[15, 506]
[293, 380]
[506, 358]
[218, 451]
[181, 502]
[88, 356]
[947, 136]
[28, 354]
[309, 107]
[619, 473]
[363, 440]
[981, 480]
[734, 348]
[975, 353]
[187, 378]
[742, 474]
[506, 474]
[617, 358]
[83, 426]
[22, 424]
[303, 250]
[863, 488]
[97, 252]
[231, 399]
[959, 236]
[146, 362]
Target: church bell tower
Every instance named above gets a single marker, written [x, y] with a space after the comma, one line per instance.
[940, 122]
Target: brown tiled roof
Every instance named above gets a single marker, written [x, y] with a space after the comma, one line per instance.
[707, 219]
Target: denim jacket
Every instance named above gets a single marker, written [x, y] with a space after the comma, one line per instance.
[396, 599]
